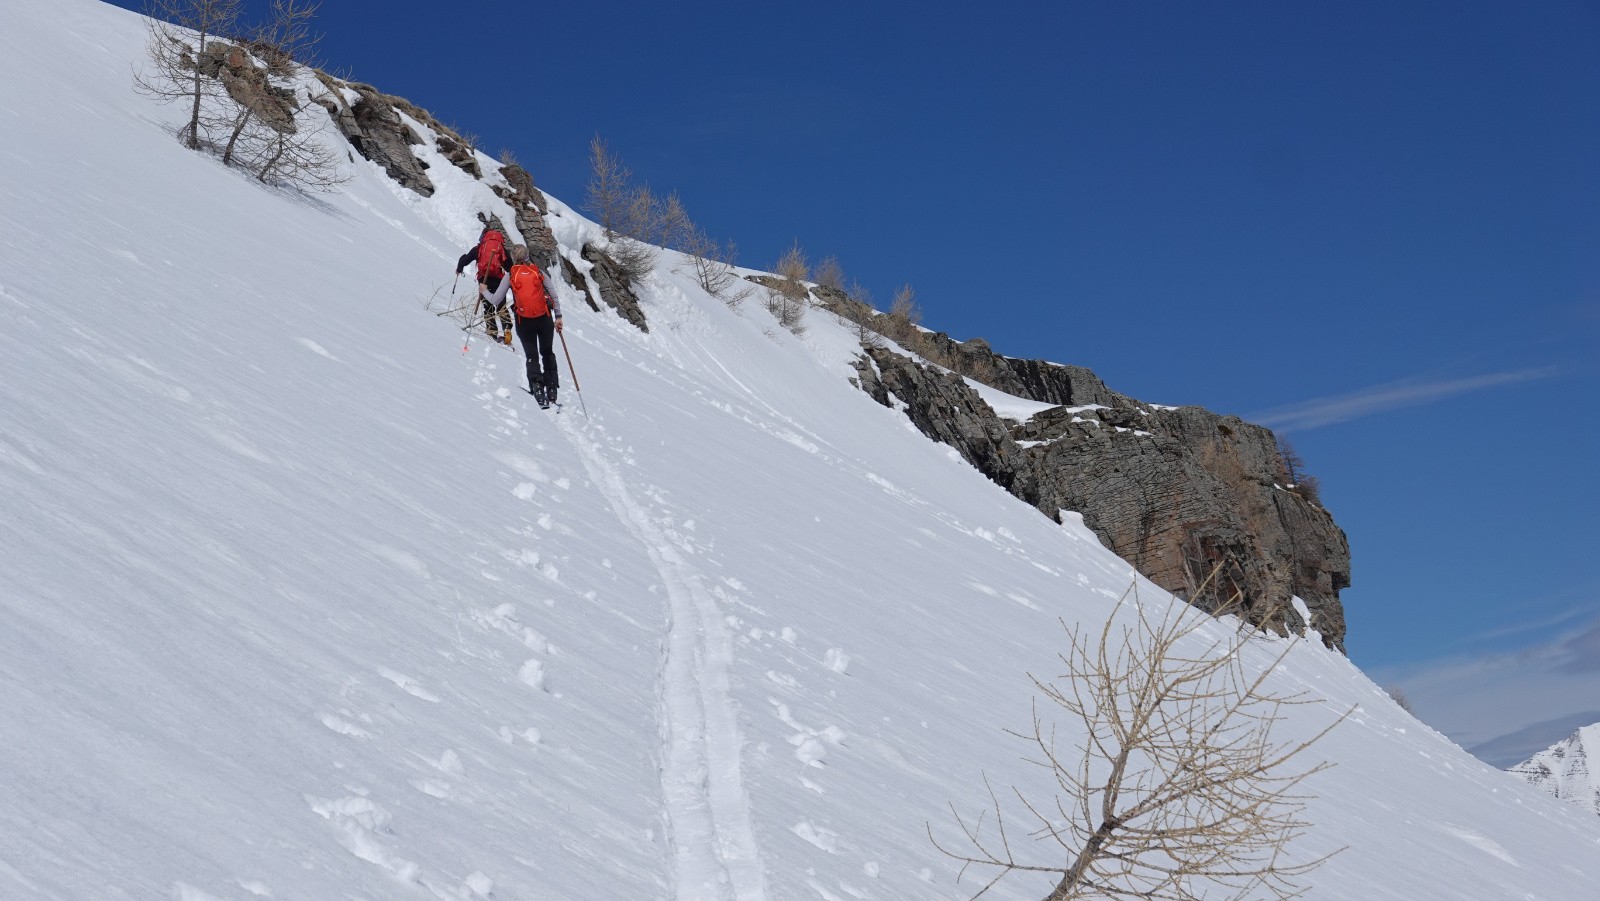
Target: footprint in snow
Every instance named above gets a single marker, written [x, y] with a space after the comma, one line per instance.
[532, 673]
[357, 822]
[406, 561]
[504, 619]
[826, 839]
[316, 348]
[409, 685]
[450, 764]
[524, 466]
[836, 660]
[809, 743]
[343, 726]
[433, 788]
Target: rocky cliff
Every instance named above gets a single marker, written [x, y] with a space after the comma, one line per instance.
[1175, 491]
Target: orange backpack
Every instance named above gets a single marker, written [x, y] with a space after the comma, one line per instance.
[527, 283]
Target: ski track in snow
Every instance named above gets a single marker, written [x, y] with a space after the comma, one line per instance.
[714, 852]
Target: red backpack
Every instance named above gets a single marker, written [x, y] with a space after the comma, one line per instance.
[527, 283]
[491, 255]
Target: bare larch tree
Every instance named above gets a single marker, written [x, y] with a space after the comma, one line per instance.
[1170, 783]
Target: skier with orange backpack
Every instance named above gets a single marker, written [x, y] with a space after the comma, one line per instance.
[538, 320]
[489, 255]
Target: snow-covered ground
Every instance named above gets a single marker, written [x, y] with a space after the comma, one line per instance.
[1566, 769]
[298, 600]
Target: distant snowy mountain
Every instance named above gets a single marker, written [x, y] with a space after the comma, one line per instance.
[301, 599]
[1567, 769]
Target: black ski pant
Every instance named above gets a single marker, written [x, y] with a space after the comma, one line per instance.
[538, 336]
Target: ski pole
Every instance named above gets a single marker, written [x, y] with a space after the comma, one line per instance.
[572, 372]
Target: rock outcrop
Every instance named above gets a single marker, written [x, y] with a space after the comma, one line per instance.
[374, 128]
[530, 206]
[247, 84]
[1177, 492]
[614, 287]
[374, 125]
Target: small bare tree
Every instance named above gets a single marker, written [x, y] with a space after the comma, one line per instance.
[713, 263]
[792, 266]
[903, 318]
[788, 299]
[269, 133]
[863, 316]
[787, 307]
[287, 38]
[300, 159]
[607, 193]
[1173, 785]
[674, 227]
[1399, 697]
[1292, 469]
[631, 216]
[276, 41]
[830, 274]
[174, 70]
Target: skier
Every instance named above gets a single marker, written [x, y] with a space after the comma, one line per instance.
[538, 320]
[489, 255]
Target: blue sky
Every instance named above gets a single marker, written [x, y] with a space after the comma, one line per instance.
[1370, 225]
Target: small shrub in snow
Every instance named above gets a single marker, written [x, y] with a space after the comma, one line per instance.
[1169, 780]
[630, 215]
[830, 274]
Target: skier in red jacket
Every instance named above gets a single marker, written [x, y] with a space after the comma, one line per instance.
[489, 255]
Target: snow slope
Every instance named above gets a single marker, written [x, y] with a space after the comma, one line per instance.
[1563, 769]
[298, 600]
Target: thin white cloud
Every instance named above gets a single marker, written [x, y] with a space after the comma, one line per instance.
[1477, 697]
[1323, 411]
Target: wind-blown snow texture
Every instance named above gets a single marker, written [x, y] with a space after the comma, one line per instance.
[1566, 769]
[297, 600]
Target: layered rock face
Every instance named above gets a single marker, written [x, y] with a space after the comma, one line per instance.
[614, 287]
[1177, 492]
[374, 128]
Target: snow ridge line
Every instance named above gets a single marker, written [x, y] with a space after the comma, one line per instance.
[714, 853]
